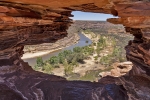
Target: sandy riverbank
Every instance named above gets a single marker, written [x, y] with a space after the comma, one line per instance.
[38, 54]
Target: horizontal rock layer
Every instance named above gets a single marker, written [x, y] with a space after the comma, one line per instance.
[29, 22]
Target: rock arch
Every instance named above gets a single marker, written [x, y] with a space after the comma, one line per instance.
[25, 22]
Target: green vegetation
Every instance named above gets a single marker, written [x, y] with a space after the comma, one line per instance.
[47, 68]
[39, 62]
[101, 44]
[68, 68]
[69, 59]
[114, 56]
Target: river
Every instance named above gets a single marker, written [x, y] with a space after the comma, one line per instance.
[81, 43]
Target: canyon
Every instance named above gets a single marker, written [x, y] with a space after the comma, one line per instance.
[32, 22]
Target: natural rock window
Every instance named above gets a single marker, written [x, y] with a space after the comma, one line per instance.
[96, 49]
[33, 22]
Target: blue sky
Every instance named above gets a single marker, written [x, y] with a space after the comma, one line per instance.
[90, 16]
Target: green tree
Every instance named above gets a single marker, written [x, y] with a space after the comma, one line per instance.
[88, 50]
[80, 57]
[77, 49]
[39, 62]
[54, 60]
[61, 57]
[75, 57]
[68, 68]
[67, 52]
[102, 42]
[70, 57]
[47, 68]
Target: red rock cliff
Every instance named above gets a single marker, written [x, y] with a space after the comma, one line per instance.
[25, 22]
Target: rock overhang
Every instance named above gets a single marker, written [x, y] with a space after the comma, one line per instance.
[28, 22]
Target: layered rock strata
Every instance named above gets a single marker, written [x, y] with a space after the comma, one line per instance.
[28, 22]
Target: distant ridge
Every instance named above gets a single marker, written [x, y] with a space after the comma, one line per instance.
[91, 20]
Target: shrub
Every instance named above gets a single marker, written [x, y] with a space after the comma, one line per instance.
[39, 62]
[54, 60]
[68, 68]
[67, 52]
[61, 57]
[77, 49]
[47, 68]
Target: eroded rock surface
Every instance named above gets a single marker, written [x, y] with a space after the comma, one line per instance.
[28, 22]
[118, 70]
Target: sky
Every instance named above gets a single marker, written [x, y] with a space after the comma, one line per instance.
[90, 16]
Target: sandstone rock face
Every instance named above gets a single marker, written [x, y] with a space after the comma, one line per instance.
[119, 69]
[28, 22]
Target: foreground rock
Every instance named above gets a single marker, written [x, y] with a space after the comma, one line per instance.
[31, 85]
[30, 22]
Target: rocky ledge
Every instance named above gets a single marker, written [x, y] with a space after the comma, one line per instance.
[30, 22]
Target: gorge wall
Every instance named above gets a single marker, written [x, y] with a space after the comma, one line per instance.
[30, 22]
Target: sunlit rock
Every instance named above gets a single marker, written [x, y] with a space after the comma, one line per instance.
[28, 22]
